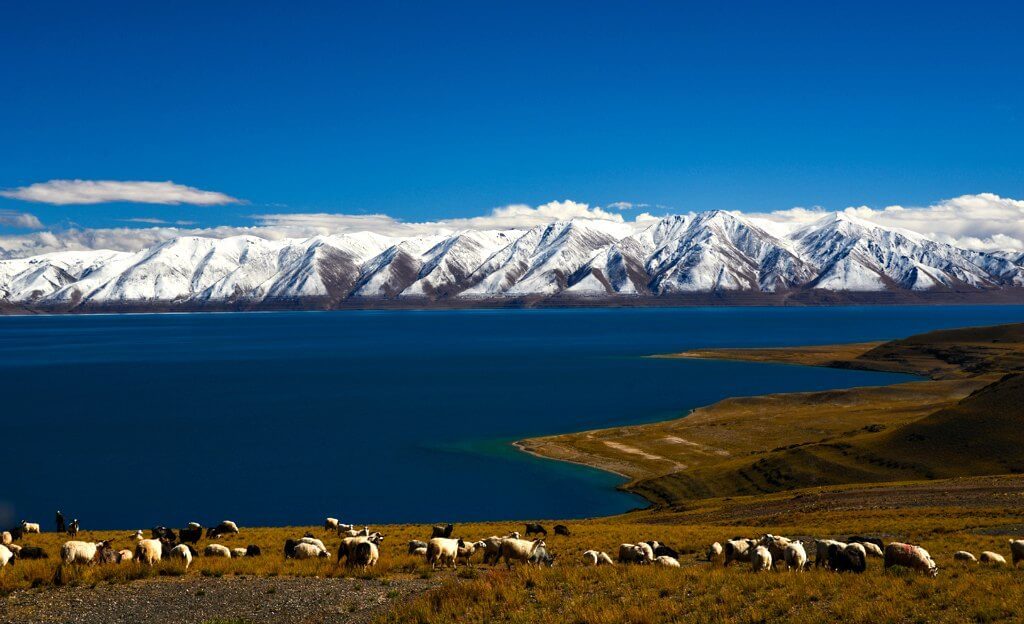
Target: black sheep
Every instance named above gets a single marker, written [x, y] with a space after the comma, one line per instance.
[846, 559]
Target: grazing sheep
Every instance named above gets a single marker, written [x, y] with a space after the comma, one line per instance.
[416, 544]
[163, 533]
[636, 553]
[715, 552]
[443, 551]
[821, 551]
[776, 545]
[191, 534]
[851, 558]
[366, 554]
[860, 539]
[597, 558]
[442, 531]
[6, 556]
[344, 528]
[238, 552]
[226, 527]
[872, 549]
[331, 524]
[1016, 551]
[541, 556]
[859, 548]
[561, 529]
[992, 558]
[309, 551]
[30, 527]
[419, 552]
[518, 549]
[662, 550]
[347, 548]
[79, 552]
[795, 556]
[738, 550]
[314, 541]
[32, 552]
[534, 528]
[6, 538]
[125, 555]
[216, 550]
[149, 551]
[668, 562]
[910, 556]
[964, 557]
[252, 550]
[761, 559]
[181, 551]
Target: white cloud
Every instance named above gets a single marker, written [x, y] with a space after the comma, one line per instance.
[984, 221]
[63, 192]
[20, 220]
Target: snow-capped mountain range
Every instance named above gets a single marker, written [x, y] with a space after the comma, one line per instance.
[581, 259]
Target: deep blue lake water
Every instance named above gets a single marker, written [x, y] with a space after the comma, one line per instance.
[284, 418]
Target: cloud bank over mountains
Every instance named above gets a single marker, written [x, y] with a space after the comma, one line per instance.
[984, 221]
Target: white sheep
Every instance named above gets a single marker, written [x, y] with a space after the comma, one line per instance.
[149, 551]
[311, 540]
[366, 554]
[30, 527]
[309, 551]
[518, 549]
[596, 558]
[1016, 551]
[668, 562]
[715, 552]
[238, 552]
[992, 558]
[467, 549]
[761, 559]
[181, 551]
[419, 552]
[6, 556]
[75, 551]
[217, 550]
[125, 555]
[6, 538]
[964, 557]
[442, 551]
[331, 524]
[795, 556]
[636, 553]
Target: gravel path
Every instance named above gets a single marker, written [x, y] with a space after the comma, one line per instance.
[251, 600]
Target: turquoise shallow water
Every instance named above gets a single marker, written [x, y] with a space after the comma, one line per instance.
[399, 416]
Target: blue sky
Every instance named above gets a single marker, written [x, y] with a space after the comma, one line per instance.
[433, 110]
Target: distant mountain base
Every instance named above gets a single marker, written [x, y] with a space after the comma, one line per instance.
[732, 298]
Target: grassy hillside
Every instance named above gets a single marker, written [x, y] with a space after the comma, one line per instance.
[963, 422]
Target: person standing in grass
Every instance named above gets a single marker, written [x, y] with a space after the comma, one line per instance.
[60, 521]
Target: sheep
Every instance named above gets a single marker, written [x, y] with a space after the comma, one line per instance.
[534, 528]
[795, 556]
[216, 550]
[821, 551]
[351, 532]
[366, 554]
[6, 538]
[344, 528]
[860, 539]
[715, 552]
[738, 550]
[518, 549]
[442, 531]
[237, 552]
[191, 534]
[443, 551]
[1016, 551]
[30, 527]
[314, 541]
[872, 549]
[852, 558]
[348, 545]
[149, 551]
[597, 558]
[910, 556]
[252, 550]
[181, 551]
[419, 552]
[6, 556]
[124, 555]
[331, 524]
[541, 556]
[32, 552]
[668, 562]
[416, 544]
[74, 551]
[761, 559]
[776, 545]
[492, 549]
[992, 558]
[16, 549]
[636, 553]
[309, 551]
[561, 529]
[226, 527]
[964, 557]
[662, 550]
[162, 532]
[468, 549]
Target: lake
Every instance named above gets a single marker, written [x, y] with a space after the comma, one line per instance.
[374, 416]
